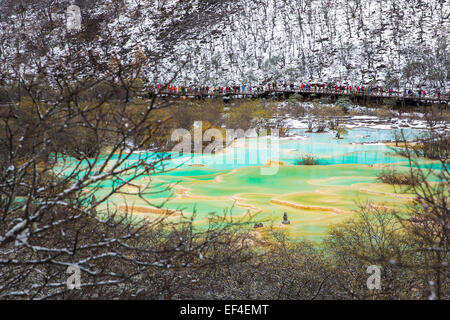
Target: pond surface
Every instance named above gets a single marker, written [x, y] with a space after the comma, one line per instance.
[314, 197]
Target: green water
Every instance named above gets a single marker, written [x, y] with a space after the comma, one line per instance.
[314, 197]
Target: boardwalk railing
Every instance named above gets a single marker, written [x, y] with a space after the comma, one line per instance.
[258, 93]
[265, 93]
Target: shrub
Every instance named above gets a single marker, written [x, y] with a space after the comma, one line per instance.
[383, 113]
[310, 126]
[395, 178]
[307, 161]
[434, 149]
[345, 103]
[321, 127]
[333, 124]
[294, 106]
[248, 114]
[390, 103]
[340, 131]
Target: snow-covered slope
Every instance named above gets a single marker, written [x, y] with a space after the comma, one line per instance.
[395, 43]
[352, 41]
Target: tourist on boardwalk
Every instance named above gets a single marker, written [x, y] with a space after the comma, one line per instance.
[202, 91]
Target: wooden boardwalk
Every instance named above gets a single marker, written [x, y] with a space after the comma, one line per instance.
[305, 93]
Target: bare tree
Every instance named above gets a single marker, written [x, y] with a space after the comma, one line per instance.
[71, 120]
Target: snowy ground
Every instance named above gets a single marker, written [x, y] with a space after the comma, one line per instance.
[399, 121]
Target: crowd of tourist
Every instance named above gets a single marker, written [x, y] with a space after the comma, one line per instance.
[276, 87]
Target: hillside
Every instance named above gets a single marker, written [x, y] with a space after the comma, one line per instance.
[389, 43]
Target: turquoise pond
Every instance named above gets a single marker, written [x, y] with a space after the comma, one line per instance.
[234, 181]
